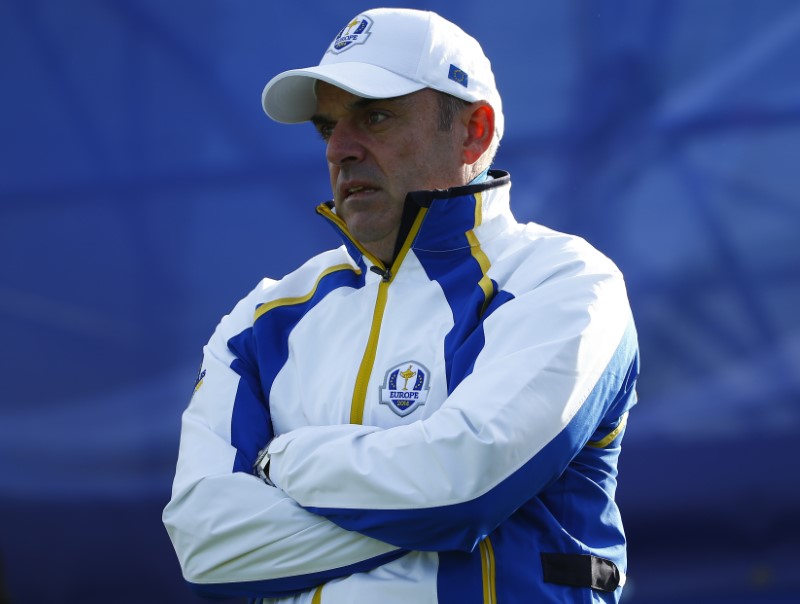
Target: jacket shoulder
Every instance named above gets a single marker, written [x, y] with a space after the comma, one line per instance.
[294, 285]
[530, 255]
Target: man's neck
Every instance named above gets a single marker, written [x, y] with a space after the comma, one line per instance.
[385, 251]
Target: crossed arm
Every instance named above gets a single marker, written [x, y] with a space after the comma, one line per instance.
[343, 504]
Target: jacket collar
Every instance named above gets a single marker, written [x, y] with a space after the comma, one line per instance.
[440, 220]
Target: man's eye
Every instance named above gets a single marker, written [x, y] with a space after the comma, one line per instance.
[376, 117]
[325, 131]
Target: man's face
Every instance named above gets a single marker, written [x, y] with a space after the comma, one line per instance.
[380, 150]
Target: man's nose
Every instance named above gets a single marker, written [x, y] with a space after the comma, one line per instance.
[345, 144]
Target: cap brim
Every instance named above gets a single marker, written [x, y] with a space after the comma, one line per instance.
[289, 97]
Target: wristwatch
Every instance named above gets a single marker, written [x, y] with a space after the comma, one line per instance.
[261, 466]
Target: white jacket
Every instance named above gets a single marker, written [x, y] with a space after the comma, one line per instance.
[446, 430]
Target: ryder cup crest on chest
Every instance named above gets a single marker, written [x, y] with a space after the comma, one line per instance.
[405, 387]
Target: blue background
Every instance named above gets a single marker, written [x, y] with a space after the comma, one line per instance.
[143, 192]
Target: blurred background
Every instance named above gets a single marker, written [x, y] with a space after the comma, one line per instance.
[143, 193]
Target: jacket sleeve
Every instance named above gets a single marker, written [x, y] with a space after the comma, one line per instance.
[551, 366]
[234, 534]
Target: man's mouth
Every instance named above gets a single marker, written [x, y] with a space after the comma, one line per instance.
[357, 191]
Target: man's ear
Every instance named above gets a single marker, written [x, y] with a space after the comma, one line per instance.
[479, 120]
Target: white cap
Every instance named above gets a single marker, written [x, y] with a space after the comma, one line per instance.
[389, 52]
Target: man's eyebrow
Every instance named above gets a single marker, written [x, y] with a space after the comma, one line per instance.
[361, 102]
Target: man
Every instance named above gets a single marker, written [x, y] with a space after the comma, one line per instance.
[432, 412]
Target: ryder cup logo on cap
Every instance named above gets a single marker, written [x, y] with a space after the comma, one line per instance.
[385, 53]
[355, 32]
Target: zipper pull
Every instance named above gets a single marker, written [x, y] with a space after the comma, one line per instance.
[385, 273]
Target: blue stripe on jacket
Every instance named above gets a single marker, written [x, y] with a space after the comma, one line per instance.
[261, 351]
[459, 274]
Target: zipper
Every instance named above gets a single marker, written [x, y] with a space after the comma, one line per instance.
[487, 570]
[387, 276]
[368, 360]
[385, 273]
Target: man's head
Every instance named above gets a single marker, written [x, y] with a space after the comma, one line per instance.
[405, 101]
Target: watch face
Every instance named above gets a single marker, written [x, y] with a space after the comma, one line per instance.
[261, 466]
